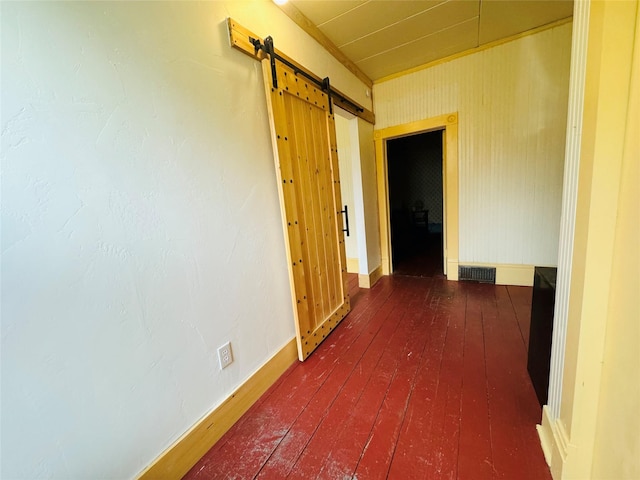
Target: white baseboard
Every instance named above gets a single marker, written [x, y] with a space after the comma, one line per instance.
[554, 441]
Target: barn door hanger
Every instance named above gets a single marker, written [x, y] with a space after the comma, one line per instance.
[268, 48]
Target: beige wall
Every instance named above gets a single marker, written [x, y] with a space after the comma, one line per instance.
[511, 102]
[617, 446]
[617, 442]
[597, 434]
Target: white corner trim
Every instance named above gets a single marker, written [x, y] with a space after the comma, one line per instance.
[554, 442]
[577, 81]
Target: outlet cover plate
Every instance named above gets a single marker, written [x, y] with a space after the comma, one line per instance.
[225, 356]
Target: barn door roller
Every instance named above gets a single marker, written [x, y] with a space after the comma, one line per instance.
[268, 48]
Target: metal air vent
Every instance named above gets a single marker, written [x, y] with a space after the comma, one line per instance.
[477, 274]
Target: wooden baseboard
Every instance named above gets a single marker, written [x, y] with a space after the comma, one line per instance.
[368, 281]
[521, 275]
[376, 275]
[506, 274]
[364, 281]
[452, 270]
[178, 459]
[353, 265]
[386, 266]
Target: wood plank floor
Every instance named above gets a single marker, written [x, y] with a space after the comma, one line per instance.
[423, 379]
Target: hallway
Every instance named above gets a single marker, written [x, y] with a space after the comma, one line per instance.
[422, 259]
[423, 379]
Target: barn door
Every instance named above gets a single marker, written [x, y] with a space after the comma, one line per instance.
[304, 142]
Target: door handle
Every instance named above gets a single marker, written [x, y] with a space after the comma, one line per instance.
[346, 219]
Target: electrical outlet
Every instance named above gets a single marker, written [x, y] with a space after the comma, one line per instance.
[225, 357]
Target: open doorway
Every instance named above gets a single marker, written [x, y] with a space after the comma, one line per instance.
[448, 126]
[415, 179]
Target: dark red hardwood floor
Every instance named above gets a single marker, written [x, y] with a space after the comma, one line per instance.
[423, 379]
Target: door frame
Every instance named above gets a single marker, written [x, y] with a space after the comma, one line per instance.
[353, 181]
[449, 124]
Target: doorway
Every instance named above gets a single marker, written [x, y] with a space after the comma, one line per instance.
[448, 126]
[414, 169]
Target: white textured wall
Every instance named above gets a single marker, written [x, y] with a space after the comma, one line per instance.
[369, 194]
[512, 105]
[140, 225]
[345, 156]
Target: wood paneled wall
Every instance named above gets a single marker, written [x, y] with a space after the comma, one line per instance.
[512, 106]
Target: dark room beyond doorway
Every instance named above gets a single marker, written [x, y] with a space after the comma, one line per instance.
[415, 201]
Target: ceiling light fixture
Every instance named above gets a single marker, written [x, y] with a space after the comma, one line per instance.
[280, 2]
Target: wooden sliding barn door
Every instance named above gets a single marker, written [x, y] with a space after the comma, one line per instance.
[304, 142]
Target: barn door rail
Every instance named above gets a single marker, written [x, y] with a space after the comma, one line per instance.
[247, 42]
[268, 48]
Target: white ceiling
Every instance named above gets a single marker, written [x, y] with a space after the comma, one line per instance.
[383, 37]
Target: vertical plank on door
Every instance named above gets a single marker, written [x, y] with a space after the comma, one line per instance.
[303, 134]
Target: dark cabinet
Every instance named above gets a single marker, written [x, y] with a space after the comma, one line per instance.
[541, 330]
